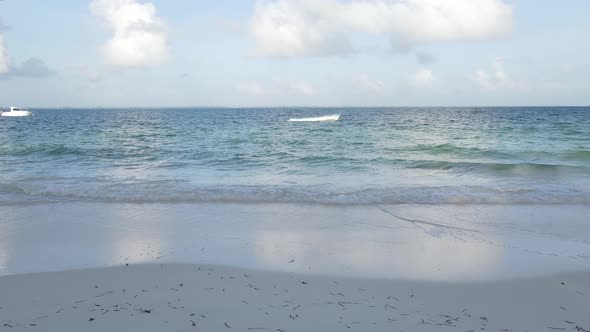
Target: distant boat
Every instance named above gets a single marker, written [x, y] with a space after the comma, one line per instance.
[16, 111]
[325, 118]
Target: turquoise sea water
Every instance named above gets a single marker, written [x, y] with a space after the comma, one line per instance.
[369, 156]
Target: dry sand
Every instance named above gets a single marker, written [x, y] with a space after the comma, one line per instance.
[184, 297]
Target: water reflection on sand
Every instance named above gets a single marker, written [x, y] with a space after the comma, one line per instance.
[445, 242]
[376, 254]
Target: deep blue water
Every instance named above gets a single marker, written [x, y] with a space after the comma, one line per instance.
[369, 156]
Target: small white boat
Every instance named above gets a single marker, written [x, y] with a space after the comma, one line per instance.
[16, 111]
[325, 118]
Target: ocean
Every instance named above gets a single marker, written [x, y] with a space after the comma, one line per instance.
[369, 156]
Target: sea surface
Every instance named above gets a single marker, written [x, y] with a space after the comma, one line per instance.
[369, 156]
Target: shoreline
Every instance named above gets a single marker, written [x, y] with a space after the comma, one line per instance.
[192, 297]
[414, 242]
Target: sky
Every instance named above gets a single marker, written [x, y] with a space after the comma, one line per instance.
[249, 53]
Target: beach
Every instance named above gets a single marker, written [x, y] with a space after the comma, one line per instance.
[294, 166]
[171, 297]
[293, 267]
[211, 219]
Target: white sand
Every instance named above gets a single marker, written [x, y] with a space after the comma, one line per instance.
[172, 297]
[410, 268]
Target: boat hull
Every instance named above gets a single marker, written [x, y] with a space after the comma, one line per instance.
[16, 113]
[325, 118]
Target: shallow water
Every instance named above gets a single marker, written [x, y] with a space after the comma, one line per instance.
[369, 156]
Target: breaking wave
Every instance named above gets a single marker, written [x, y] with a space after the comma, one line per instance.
[182, 192]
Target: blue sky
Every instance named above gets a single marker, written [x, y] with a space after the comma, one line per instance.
[119, 53]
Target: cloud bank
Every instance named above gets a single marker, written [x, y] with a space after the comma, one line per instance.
[286, 28]
[494, 79]
[425, 58]
[423, 77]
[139, 38]
[295, 88]
[3, 52]
[3, 57]
[364, 82]
[3, 27]
[31, 68]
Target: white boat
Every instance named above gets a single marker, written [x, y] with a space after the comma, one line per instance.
[16, 111]
[325, 118]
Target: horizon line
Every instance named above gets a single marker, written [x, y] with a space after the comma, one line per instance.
[294, 107]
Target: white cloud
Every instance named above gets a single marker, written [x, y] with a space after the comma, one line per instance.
[423, 77]
[4, 68]
[294, 28]
[495, 78]
[139, 37]
[323, 27]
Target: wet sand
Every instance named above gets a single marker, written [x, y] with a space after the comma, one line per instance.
[416, 242]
